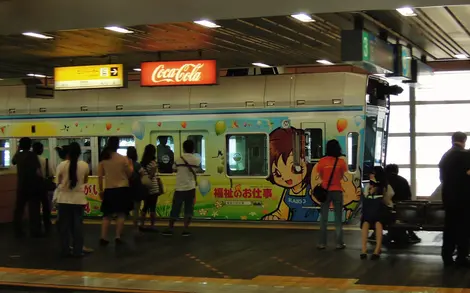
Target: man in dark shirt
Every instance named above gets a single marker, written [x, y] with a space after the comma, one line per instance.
[453, 168]
[402, 190]
[165, 156]
[29, 180]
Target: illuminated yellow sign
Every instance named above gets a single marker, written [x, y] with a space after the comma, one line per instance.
[89, 77]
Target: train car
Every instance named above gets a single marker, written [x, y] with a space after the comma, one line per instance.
[258, 137]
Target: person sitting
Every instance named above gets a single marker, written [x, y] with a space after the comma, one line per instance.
[402, 192]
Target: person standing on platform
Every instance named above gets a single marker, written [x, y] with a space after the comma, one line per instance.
[454, 167]
[150, 166]
[335, 166]
[46, 171]
[186, 180]
[72, 175]
[28, 183]
[116, 198]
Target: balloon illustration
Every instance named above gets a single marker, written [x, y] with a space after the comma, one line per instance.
[159, 124]
[220, 127]
[341, 124]
[358, 120]
[138, 130]
[204, 187]
[184, 124]
[108, 126]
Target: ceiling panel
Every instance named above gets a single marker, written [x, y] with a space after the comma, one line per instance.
[437, 32]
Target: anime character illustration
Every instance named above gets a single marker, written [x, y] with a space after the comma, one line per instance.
[296, 202]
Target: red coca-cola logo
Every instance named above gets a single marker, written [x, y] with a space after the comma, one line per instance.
[201, 72]
[186, 73]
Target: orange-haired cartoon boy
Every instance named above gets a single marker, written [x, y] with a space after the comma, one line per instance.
[296, 203]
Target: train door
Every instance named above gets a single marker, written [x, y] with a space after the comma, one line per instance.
[314, 140]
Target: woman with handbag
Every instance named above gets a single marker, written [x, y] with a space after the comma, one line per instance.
[331, 169]
[153, 185]
[137, 189]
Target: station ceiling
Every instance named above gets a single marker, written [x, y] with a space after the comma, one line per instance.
[437, 32]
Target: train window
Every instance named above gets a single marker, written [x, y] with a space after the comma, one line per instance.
[124, 143]
[199, 149]
[85, 145]
[45, 143]
[5, 153]
[298, 139]
[247, 155]
[314, 143]
[353, 144]
[165, 153]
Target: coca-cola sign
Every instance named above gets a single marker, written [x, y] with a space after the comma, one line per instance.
[197, 72]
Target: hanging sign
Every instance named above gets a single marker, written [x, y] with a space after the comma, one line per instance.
[193, 72]
[89, 77]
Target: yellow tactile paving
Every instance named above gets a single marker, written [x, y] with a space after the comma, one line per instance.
[266, 282]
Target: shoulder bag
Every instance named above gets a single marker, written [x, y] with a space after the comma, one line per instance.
[321, 193]
[147, 181]
[190, 169]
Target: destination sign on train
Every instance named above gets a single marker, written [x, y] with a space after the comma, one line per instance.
[89, 77]
[193, 72]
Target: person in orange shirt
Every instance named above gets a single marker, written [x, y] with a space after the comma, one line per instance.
[326, 165]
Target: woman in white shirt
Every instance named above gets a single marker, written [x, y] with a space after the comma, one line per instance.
[72, 175]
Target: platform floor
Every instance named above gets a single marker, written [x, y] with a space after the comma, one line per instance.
[253, 258]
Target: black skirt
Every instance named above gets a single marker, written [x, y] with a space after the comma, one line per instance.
[116, 201]
[375, 211]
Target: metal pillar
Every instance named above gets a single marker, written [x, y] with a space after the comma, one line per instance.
[413, 140]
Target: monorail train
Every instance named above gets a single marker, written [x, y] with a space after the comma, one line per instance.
[259, 137]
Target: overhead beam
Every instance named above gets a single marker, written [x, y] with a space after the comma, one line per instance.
[54, 15]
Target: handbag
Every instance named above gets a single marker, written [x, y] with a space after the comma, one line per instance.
[190, 169]
[321, 193]
[49, 180]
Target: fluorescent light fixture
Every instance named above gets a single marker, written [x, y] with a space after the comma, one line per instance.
[303, 17]
[137, 69]
[406, 11]
[36, 35]
[461, 56]
[36, 75]
[261, 65]
[325, 62]
[207, 23]
[118, 30]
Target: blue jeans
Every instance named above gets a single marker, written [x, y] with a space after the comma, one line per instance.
[71, 226]
[337, 198]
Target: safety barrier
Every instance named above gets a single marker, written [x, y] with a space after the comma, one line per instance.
[419, 215]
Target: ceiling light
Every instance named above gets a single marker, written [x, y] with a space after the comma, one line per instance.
[137, 69]
[461, 56]
[406, 11]
[303, 17]
[36, 75]
[207, 23]
[325, 62]
[36, 35]
[118, 29]
[261, 65]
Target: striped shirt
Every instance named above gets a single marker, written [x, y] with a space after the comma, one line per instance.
[151, 171]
